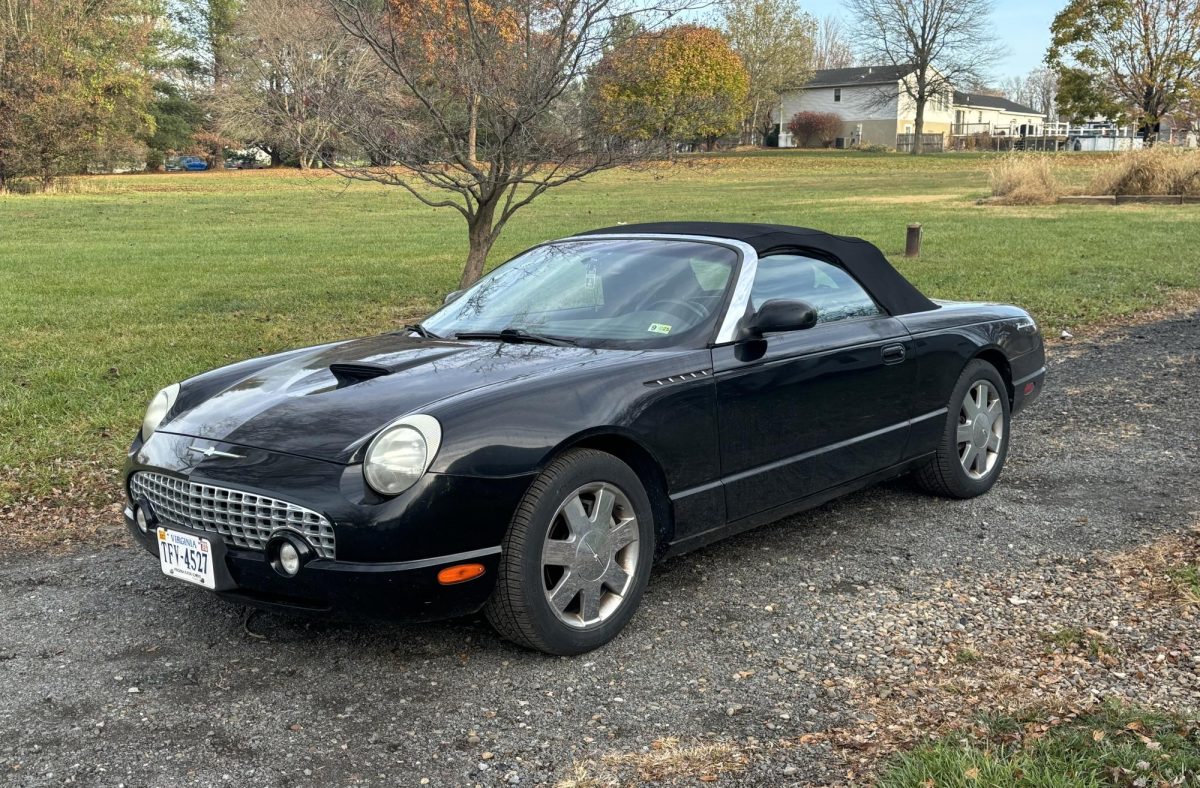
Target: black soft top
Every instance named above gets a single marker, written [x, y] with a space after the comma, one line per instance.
[862, 259]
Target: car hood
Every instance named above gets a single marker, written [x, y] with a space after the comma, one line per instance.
[298, 405]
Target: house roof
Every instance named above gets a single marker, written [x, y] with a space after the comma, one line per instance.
[858, 75]
[992, 102]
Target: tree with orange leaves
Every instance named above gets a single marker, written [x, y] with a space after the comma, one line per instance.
[683, 83]
[481, 107]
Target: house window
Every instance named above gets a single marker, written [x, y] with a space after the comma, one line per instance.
[837, 95]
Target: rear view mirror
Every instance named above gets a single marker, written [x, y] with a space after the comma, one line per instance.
[453, 294]
[780, 314]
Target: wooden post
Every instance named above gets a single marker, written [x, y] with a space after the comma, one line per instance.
[912, 242]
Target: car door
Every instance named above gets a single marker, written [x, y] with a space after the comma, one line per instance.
[803, 411]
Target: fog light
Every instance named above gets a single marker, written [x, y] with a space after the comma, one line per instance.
[289, 559]
[139, 516]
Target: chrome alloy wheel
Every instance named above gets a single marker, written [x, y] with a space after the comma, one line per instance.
[590, 555]
[980, 429]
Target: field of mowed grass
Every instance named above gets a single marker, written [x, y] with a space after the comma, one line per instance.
[117, 285]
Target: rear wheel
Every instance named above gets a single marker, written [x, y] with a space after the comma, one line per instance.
[577, 556]
[974, 444]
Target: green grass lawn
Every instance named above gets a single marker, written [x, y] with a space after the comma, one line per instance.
[123, 284]
[1111, 746]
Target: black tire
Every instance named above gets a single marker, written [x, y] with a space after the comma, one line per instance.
[944, 474]
[518, 608]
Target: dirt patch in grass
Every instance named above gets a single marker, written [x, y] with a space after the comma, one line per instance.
[665, 761]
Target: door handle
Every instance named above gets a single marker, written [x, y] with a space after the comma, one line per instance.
[893, 354]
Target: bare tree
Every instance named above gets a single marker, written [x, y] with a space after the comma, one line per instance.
[288, 74]
[940, 43]
[481, 106]
[774, 39]
[832, 46]
[1035, 89]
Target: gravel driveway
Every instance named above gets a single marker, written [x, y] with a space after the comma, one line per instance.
[790, 652]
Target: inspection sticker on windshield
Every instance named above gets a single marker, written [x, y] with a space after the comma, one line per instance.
[659, 328]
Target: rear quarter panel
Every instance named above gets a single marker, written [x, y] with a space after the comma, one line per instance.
[946, 339]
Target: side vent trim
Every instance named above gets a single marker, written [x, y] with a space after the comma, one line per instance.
[683, 377]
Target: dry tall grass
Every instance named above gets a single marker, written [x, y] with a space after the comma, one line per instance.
[1024, 179]
[1157, 170]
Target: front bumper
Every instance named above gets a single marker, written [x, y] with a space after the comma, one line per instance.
[388, 550]
[404, 591]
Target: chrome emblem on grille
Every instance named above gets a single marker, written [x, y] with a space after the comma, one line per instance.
[212, 451]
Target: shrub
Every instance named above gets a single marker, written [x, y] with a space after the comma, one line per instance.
[871, 148]
[822, 127]
[1024, 179]
[1157, 170]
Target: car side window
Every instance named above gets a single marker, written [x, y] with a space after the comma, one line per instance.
[829, 289]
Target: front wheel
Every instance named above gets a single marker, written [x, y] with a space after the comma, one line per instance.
[974, 444]
[576, 557]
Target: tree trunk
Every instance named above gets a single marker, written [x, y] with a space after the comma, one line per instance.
[473, 128]
[919, 126]
[481, 238]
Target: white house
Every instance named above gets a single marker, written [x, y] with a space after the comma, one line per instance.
[976, 113]
[875, 108]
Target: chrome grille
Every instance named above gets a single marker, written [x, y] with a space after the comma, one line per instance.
[241, 518]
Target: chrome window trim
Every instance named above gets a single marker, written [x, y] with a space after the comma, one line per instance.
[747, 268]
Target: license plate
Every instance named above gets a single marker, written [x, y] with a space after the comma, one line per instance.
[186, 557]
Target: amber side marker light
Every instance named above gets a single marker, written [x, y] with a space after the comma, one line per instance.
[459, 573]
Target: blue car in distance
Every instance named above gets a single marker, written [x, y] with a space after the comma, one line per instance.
[187, 163]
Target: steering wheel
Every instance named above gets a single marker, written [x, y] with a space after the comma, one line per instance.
[675, 302]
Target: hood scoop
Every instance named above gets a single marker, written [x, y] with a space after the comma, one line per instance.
[351, 374]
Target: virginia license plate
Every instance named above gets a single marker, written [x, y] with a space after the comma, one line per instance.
[186, 557]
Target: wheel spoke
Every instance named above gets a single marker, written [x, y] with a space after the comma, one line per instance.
[994, 442]
[624, 533]
[615, 577]
[980, 464]
[969, 407]
[603, 508]
[589, 602]
[964, 433]
[968, 456]
[558, 552]
[562, 594]
[994, 410]
[576, 517]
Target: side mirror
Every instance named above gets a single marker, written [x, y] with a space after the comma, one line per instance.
[780, 314]
[452, 295]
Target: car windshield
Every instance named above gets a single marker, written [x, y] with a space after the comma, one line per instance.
[609, 292]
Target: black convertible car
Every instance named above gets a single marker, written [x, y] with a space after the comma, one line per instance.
[594, 404]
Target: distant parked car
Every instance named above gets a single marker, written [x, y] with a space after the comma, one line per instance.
[594, 404]
[187, 164]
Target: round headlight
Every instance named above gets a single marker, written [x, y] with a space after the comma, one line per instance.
[158, 409]
[399, 455]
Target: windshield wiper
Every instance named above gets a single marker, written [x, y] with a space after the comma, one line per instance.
[421, 330]
[512, 334]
